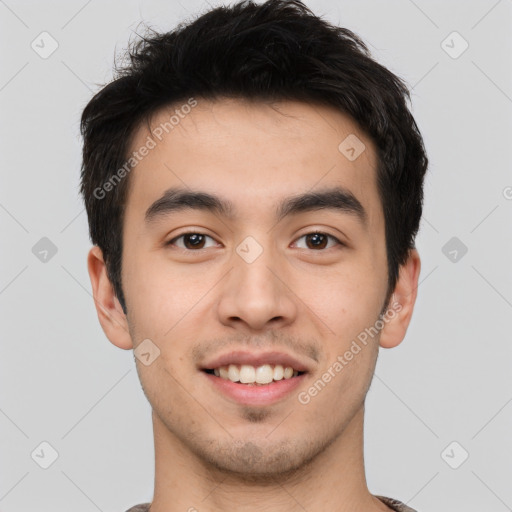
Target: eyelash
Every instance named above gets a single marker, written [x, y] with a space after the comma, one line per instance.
[171, 242]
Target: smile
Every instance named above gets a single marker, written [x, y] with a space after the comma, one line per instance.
[251, 392]
[254, 375]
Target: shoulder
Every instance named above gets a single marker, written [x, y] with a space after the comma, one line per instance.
[143, 507]
[396, 505]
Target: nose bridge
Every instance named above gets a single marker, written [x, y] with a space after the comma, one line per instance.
[252, 274]
[253, 294]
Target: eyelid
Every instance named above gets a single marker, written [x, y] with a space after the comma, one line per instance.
[320, 232]
[172, 241]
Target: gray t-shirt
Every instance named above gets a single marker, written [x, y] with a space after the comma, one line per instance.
[395, 505]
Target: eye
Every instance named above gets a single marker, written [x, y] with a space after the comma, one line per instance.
[194, 241]
[318, 240]
[191, 241]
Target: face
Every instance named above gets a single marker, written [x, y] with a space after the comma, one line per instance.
[253, 273]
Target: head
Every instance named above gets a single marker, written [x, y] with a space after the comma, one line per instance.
[252, 128]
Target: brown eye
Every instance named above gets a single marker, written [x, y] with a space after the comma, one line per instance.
[318, 241]
[191, 241]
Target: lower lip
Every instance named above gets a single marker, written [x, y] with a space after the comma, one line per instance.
[262, 394]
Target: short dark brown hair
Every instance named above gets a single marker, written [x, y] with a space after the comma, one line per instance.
[277, 50]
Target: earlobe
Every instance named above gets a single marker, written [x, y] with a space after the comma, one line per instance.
[110, 313]
[399, 312]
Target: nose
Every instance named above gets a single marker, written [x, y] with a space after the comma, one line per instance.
[256, 295]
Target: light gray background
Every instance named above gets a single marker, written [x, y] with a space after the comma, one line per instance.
[61, 380]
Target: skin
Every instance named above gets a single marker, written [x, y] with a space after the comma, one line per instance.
[210, 453]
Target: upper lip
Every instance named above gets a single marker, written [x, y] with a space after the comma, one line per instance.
[255, 359]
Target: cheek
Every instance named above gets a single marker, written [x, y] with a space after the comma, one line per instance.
[337, 393]
[347, 301]
[159, 298]
[163, 385]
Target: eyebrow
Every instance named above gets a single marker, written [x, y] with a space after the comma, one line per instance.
[180, 199]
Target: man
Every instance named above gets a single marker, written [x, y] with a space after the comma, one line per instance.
[253, 183]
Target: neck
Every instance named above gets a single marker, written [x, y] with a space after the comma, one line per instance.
[333, 480]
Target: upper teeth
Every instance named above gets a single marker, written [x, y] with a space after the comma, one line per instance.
[248, 374]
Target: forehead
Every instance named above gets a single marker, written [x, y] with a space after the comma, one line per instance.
[245, 150]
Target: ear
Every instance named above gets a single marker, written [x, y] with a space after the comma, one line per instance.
[400, 307]
[110, 313]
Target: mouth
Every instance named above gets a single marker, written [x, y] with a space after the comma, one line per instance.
[249, 375]
[255, 378]
[248, 385]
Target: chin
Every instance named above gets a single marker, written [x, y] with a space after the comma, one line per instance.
[253, 462]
